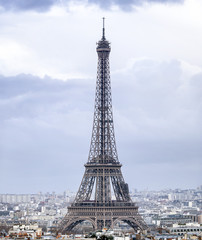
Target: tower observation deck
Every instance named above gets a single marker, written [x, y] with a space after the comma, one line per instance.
[103, 177]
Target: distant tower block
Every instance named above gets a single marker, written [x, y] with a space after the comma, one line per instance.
[103, 177]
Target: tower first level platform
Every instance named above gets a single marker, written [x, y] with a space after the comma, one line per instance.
[103, 216]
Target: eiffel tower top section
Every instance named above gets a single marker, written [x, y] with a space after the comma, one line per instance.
[103, 46]
[103, 145]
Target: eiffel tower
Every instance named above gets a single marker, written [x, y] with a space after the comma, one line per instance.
[103, 177]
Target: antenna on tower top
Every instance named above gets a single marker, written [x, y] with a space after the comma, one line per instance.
[103, 29]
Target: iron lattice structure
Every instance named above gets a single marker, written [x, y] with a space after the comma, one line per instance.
[103, 177]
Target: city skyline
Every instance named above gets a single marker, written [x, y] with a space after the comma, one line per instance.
[47, 83]
[133, 191]
[170, 208]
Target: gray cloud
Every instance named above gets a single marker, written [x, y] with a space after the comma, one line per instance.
[46, 125]
[24, 5]
[41, 6]
[129, 4]
[39, 117]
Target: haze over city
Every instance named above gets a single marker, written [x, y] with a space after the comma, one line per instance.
[48, 67]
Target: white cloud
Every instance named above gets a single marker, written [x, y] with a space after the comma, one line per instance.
[160, 99]
[62, 43]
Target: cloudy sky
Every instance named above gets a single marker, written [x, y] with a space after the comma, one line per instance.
[47, 81]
